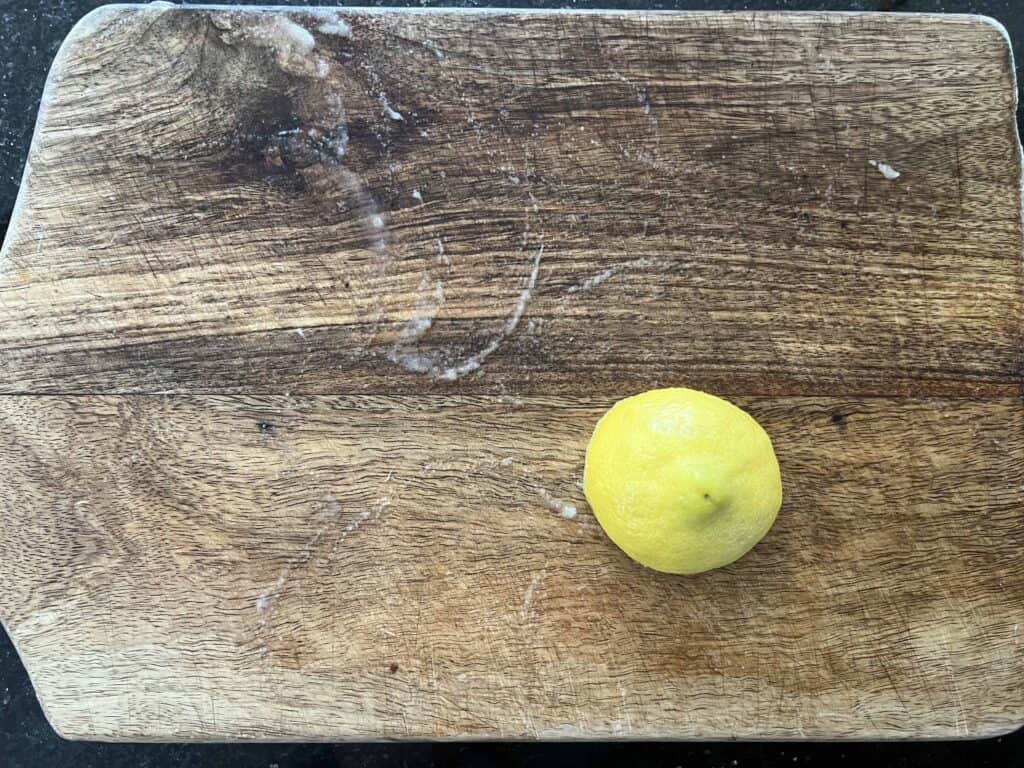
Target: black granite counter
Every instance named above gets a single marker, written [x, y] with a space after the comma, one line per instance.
[30, 34]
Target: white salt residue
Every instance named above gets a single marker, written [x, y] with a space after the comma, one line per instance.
[417, 196]
[336, 140]
[331, 22]
[265, 602]
[295, 35]
[507, 461]
[647, 156]
[422, 320]
[430, 361]
[527, 611]
[426, 311]
[412, 361]
[300, 331]
[566, 510]
[338, 27]
[474, 362]
[510, 172]
[291, 43]
[441, 255]
[644, 262]
[641, 94]
[370, 513]
[593, 281]
[418, 326]
[377, 221]
[885, 169]
[434, 48]
[384, 105]
[39, 622]
[644, 157]
[358, 521]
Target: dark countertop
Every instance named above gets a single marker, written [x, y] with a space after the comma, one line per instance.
[30, 34]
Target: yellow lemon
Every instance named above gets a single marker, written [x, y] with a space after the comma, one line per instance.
[681, 480]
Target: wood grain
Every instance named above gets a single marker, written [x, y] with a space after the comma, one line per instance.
[698, 183]
[306, 318]
[324, 567]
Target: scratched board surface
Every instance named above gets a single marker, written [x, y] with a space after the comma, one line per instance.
[306, 318]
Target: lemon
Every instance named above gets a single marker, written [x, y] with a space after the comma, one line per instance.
[681, 480]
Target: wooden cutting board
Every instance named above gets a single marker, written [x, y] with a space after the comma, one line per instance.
[306, 318]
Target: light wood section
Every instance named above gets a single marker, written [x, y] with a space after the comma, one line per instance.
[327, 567]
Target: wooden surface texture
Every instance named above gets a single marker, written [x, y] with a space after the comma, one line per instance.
[306, 318]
